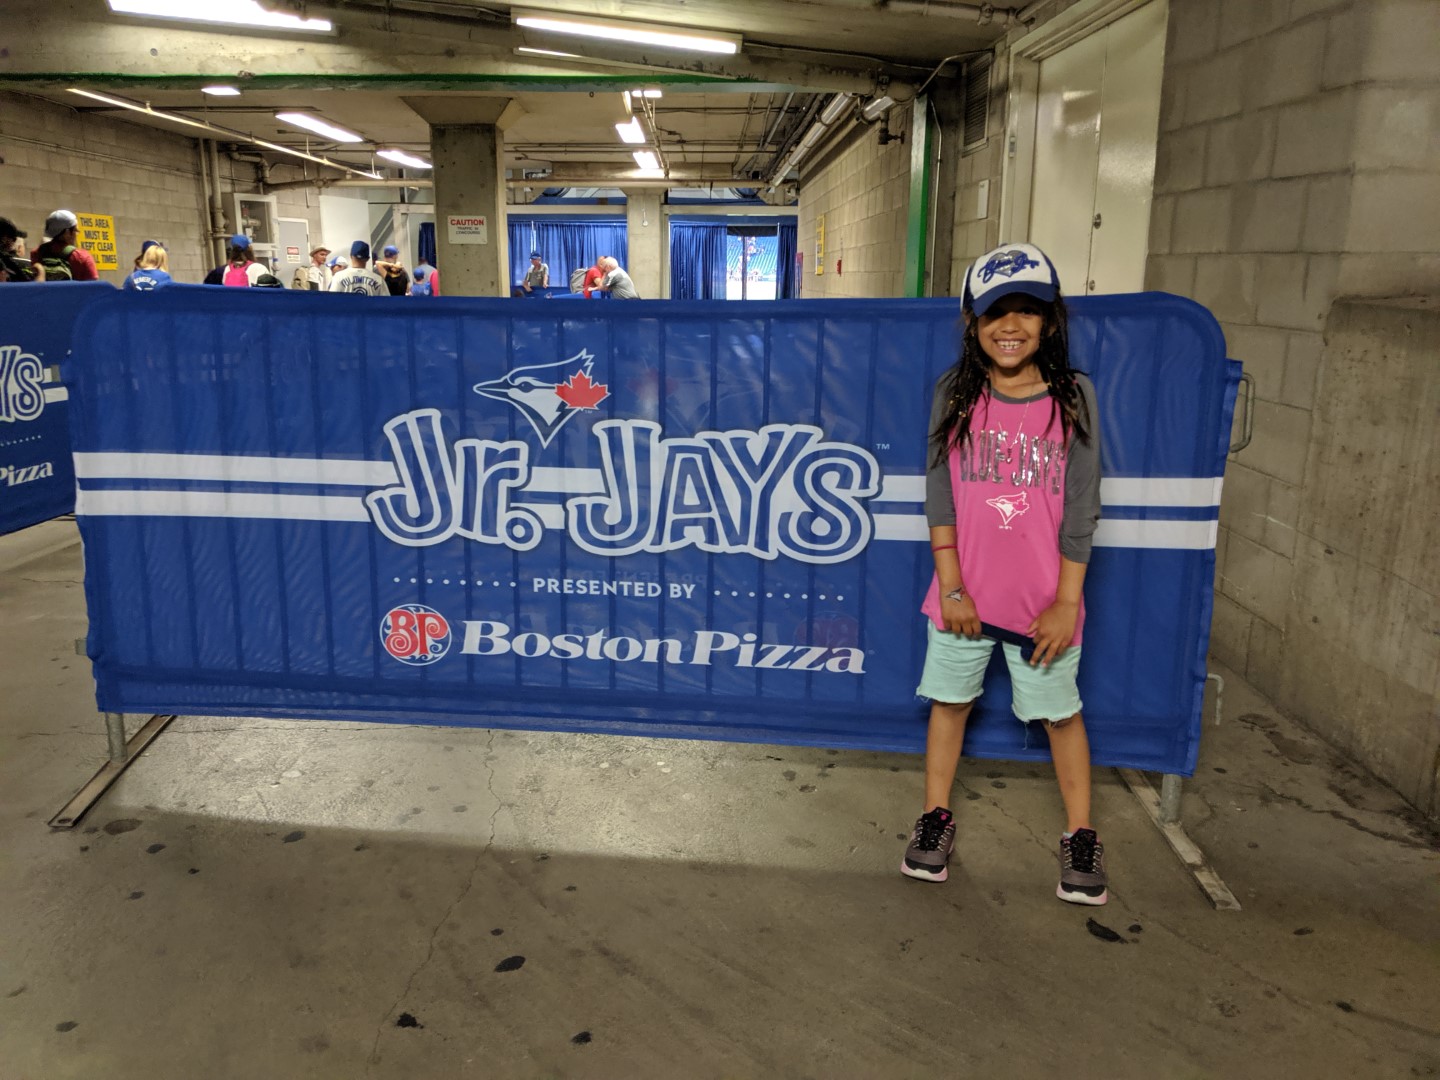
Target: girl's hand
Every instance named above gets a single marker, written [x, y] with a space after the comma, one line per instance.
[960, 616]
[1053, 631]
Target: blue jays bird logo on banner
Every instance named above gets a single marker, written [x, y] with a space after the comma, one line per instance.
[546, 403]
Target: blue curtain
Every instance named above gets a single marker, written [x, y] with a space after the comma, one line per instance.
[565, 244]
[427, 243]
[697, 260]
[786, 277]
[522, 242]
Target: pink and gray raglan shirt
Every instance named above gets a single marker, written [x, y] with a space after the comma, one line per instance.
[1019, 499]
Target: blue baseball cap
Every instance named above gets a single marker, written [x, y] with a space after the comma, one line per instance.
[241, 241]
[1010, 268]
[360, 250]
[146, 245]
[391, 249]
[535, 254]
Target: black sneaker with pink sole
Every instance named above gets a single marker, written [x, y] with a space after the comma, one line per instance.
[930, 845]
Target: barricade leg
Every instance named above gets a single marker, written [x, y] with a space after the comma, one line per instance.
[122, 752]
[1190, 855]
[115, 735]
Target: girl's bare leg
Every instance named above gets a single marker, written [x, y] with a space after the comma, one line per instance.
[942, 751]
[1070, 750]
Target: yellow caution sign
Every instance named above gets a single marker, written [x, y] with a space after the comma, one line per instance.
[97, 236]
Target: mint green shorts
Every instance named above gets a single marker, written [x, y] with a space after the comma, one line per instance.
[955, 672]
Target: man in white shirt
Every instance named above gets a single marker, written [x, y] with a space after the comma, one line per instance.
[316, 276]
[359, 279]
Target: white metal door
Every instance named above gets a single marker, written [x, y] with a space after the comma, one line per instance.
[1067, 153]
[1097, 118]
[1134, 61]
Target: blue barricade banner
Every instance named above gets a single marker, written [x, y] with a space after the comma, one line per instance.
[698, 519]
[37, 482]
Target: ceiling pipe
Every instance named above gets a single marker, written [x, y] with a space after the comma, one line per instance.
[836, 109]
[984, 14]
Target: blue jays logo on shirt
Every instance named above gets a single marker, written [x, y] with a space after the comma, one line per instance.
[542, 395]
[1007, 264]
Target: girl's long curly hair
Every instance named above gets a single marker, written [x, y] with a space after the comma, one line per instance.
[964, 384]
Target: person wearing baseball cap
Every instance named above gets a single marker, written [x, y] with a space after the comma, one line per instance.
[397, 279]
[1010, 268]
[15, 263]
[1012, 500]
[316, 276]
[359, 278]
[538, 276]
[60, 255]
[241, 269]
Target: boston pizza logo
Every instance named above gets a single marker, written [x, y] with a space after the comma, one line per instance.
[415, 634]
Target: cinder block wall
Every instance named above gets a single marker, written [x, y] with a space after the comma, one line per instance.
[53, 157]
[149, 180]
[1362, 660]
[863, 192]
[1297, 145]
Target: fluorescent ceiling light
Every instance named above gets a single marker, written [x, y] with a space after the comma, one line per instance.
[631, 132]
[402, 158]
[226, 12]
[220, 91]
[646, 159]
[547, 52]
[625, 97]
[318, 126]
[635, 33]
[242, 136]
[645, 93]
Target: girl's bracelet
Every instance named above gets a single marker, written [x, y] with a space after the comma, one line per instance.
[943, 547]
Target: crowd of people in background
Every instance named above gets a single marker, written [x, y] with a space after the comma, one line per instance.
[59, 257]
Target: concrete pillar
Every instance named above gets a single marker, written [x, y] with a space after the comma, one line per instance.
[470, 183]
[649, 242]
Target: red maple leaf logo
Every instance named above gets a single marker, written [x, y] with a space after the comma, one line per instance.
[580, 393]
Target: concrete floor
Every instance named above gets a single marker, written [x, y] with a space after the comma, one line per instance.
[302, 900]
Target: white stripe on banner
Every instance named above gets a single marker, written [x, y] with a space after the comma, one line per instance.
[1182, 535]
[221, 504]
[567, 481]
[1185, 491]
[56, 393]
[1160, 491]
[902, 489]
[235, 467]
[1114, 491]
[901, 527]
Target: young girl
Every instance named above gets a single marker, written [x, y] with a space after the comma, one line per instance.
[1013, 498]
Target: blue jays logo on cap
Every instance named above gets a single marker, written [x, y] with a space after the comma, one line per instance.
[1010, 268]
[1007, 264]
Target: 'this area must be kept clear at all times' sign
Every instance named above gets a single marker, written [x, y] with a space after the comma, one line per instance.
[97, 236]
